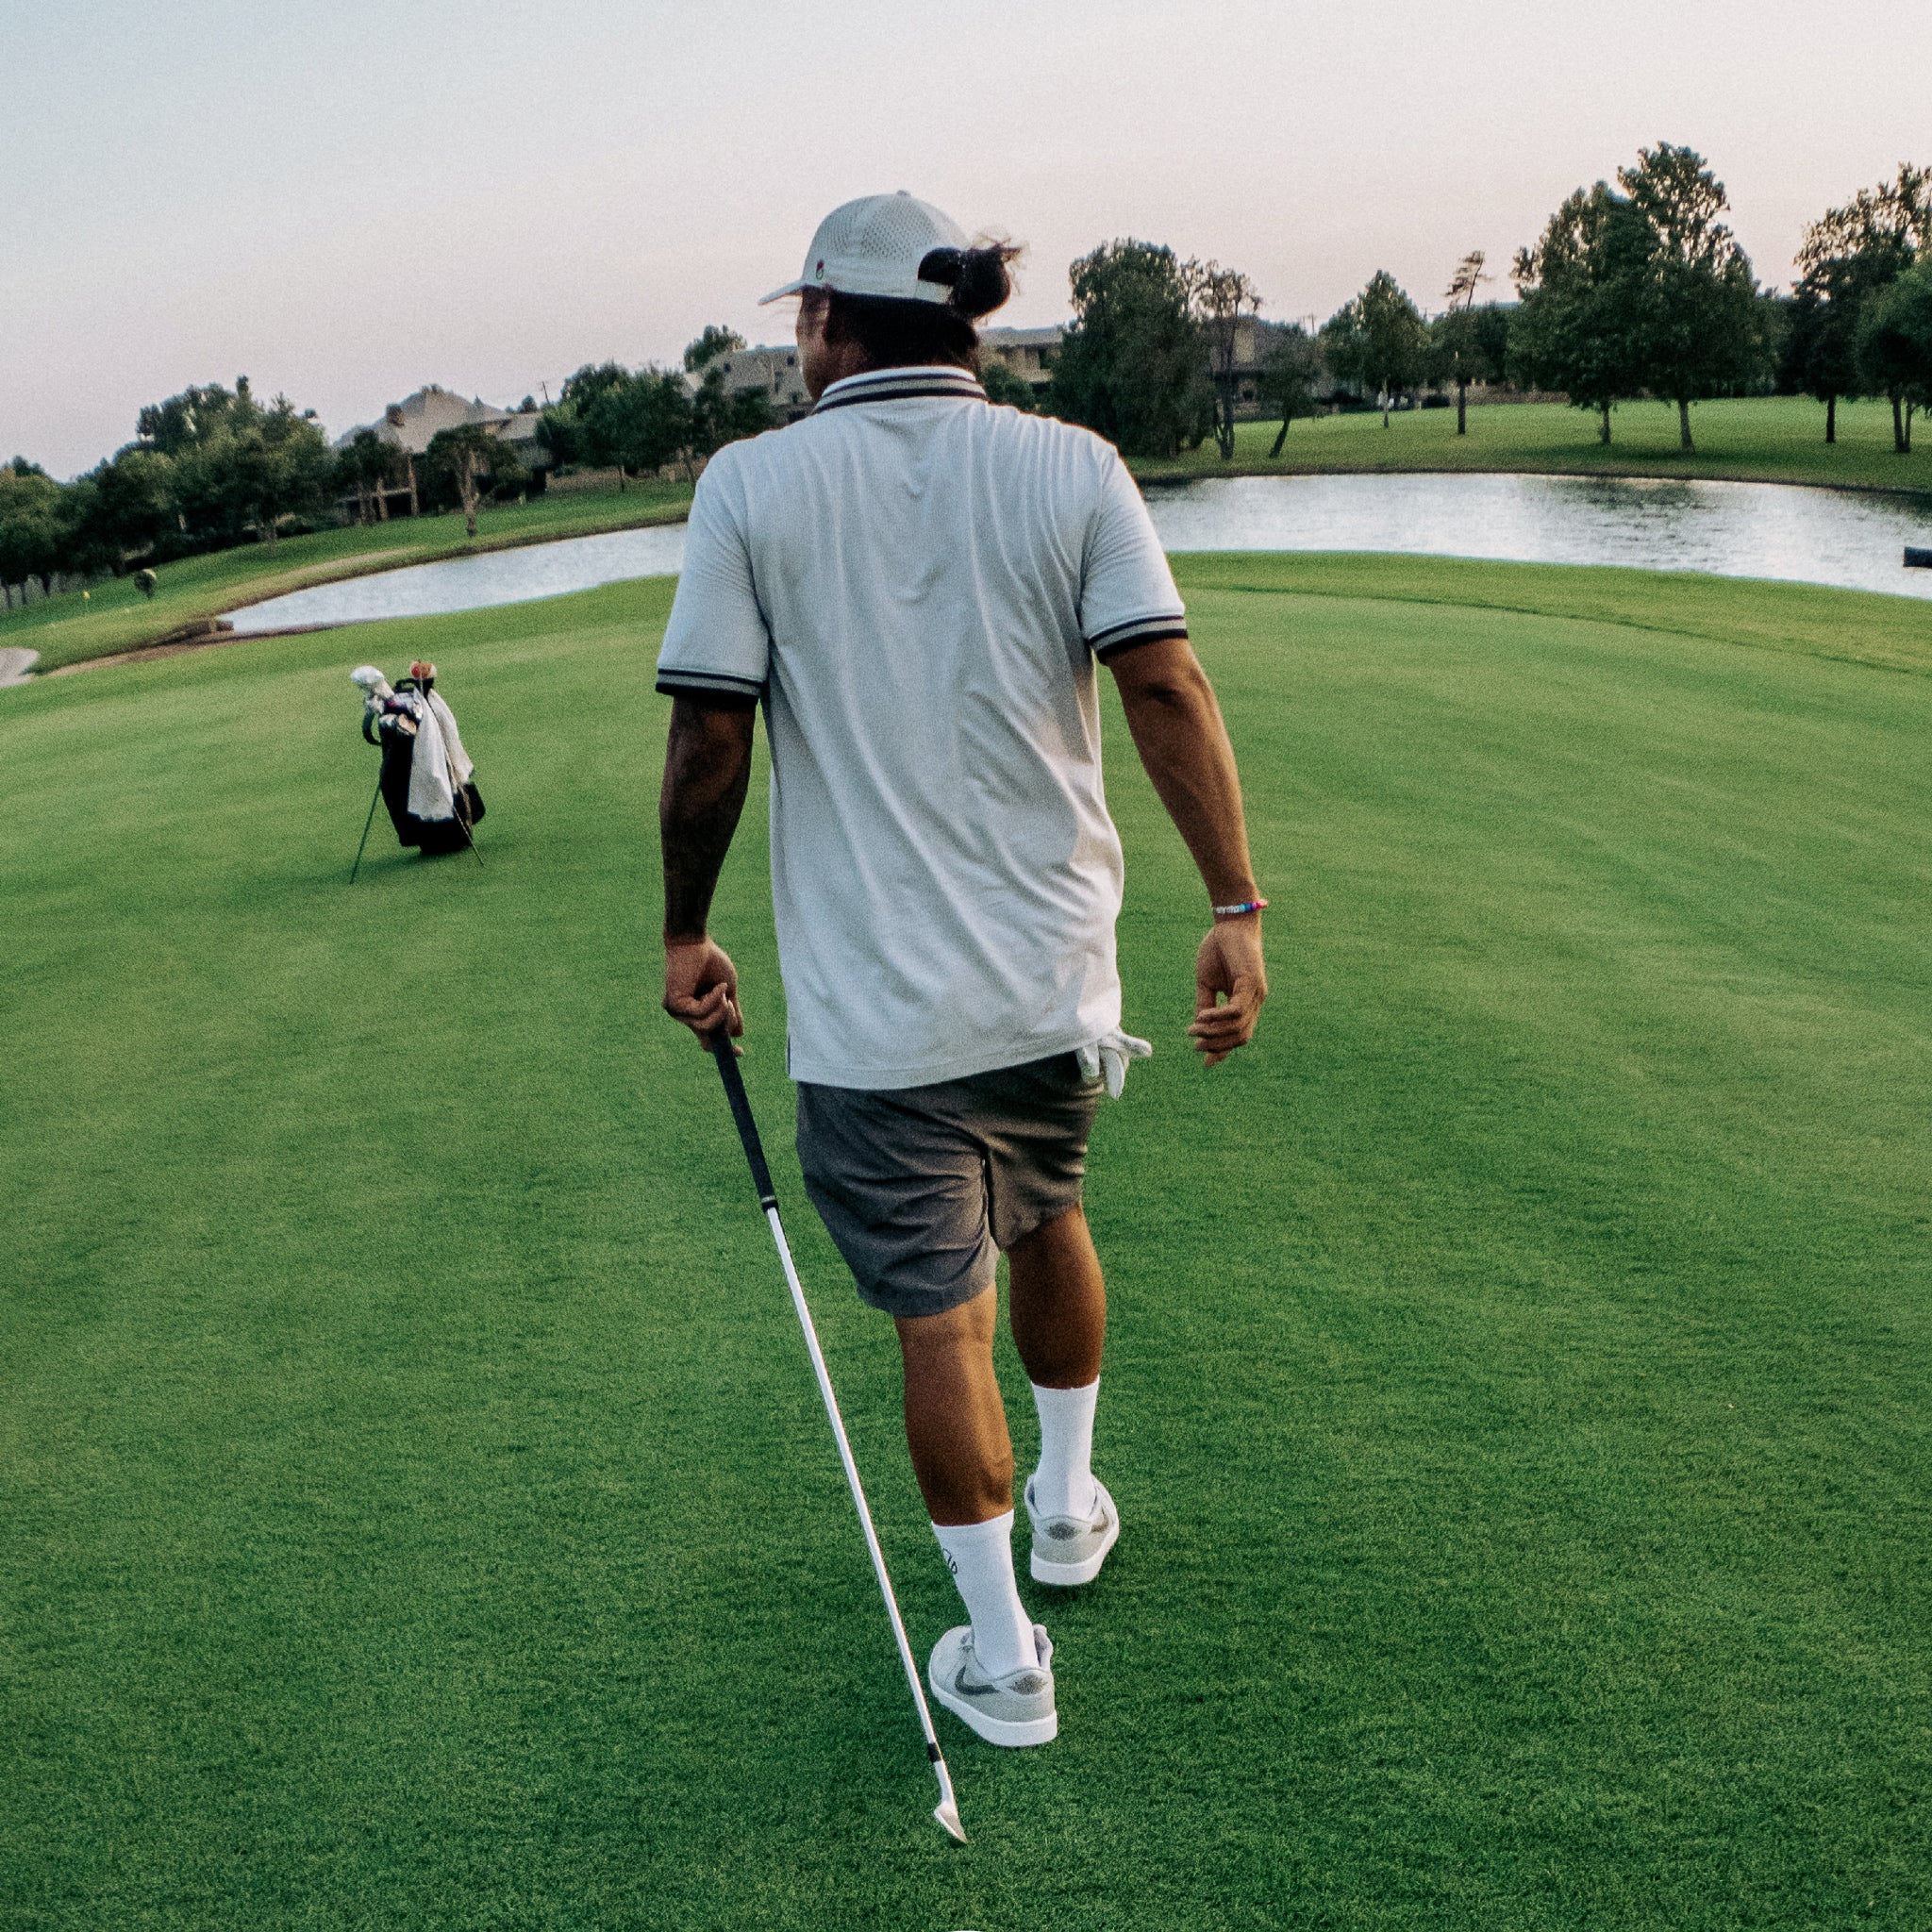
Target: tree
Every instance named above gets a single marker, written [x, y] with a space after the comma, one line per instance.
[1573, 328]
[470, 457]
[561, 431]
[715, 342]
[185, 421]
[589, 382]
[1378, 340]
[132, 512]
[362, 465]
[31, 525]
[237, 465]
[1132, 366]
[1848, 256]
[719, 415]
[1003, 386]
[283, 467]
[1289, 378]
[1219, 298]
[1695, 322]
[1895, 348]
[642, 422]
[1458, 341]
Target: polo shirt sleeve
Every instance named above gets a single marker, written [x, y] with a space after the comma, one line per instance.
[1127, 593]
[716, 642]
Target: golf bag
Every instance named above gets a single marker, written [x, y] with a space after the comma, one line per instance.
[426, 778]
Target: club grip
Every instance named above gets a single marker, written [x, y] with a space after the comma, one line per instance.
[741, 1113]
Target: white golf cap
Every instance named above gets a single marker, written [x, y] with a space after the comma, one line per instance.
[874, 246]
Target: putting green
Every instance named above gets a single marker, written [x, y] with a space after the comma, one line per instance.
[414, 1506]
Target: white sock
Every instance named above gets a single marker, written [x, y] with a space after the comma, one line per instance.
[980, 1556]
[1063, 1483]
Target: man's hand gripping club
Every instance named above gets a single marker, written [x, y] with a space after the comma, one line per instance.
[707, 771]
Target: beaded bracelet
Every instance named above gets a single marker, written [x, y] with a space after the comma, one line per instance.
[1236, 912]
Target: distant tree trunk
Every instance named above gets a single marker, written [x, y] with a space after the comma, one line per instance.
[1901, 427]
[1684, 425]
[1831, 418]
[415, 501]
[1383, 399]
[1463, 406]
[1603, 435]
[1285, 419]
[1910, 407]
[1223, 418]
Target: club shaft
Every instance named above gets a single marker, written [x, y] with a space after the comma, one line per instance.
[948, 1811]
[872, 1537]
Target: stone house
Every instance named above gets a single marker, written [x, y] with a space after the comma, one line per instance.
[774, 371]
[411, 424]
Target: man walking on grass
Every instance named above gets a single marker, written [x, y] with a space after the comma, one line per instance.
[919, 585]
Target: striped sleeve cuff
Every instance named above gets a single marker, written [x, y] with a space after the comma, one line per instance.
[1138, 630]
[673, 682]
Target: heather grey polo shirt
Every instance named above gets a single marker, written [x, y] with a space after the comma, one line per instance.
[919, 585]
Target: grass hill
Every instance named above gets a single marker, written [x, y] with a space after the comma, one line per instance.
[414, 1507]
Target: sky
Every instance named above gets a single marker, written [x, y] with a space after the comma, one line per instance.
[345, 202]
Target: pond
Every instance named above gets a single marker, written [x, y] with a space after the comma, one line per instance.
[470, 583]
[1731, 529]
[1854, 542]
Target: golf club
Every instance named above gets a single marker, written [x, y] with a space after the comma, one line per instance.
[947, 1809]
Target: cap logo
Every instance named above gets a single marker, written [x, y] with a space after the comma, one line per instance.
[820, 271]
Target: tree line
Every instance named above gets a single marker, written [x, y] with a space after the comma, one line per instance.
[649, 419]
[1633, 291]
[214, 467]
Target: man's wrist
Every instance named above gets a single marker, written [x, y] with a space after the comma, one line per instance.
[686, 938]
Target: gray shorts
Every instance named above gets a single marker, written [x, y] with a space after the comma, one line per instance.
[921, 1186]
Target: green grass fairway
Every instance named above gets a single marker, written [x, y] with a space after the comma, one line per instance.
[1756, 439]
[415, 1509]
[114, 616]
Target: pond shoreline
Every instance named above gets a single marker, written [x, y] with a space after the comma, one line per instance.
[1167, 478]
[1171, 485]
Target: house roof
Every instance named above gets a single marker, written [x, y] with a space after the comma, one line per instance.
[411, 422]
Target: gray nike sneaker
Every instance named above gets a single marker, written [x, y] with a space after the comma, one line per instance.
[1013, 1709]
[1069, 1549]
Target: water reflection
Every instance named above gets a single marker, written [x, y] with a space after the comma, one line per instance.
[471, 583]
[1733, 529]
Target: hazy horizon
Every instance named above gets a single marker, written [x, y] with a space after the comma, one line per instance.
[345, 206]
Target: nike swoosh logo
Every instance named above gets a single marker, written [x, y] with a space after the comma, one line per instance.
[966, 1689]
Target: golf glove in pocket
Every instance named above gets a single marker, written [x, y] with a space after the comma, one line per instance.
[1111, 1055]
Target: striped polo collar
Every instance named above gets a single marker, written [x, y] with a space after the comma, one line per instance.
[899, 385]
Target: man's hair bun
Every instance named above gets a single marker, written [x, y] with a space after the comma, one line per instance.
[978, 276]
